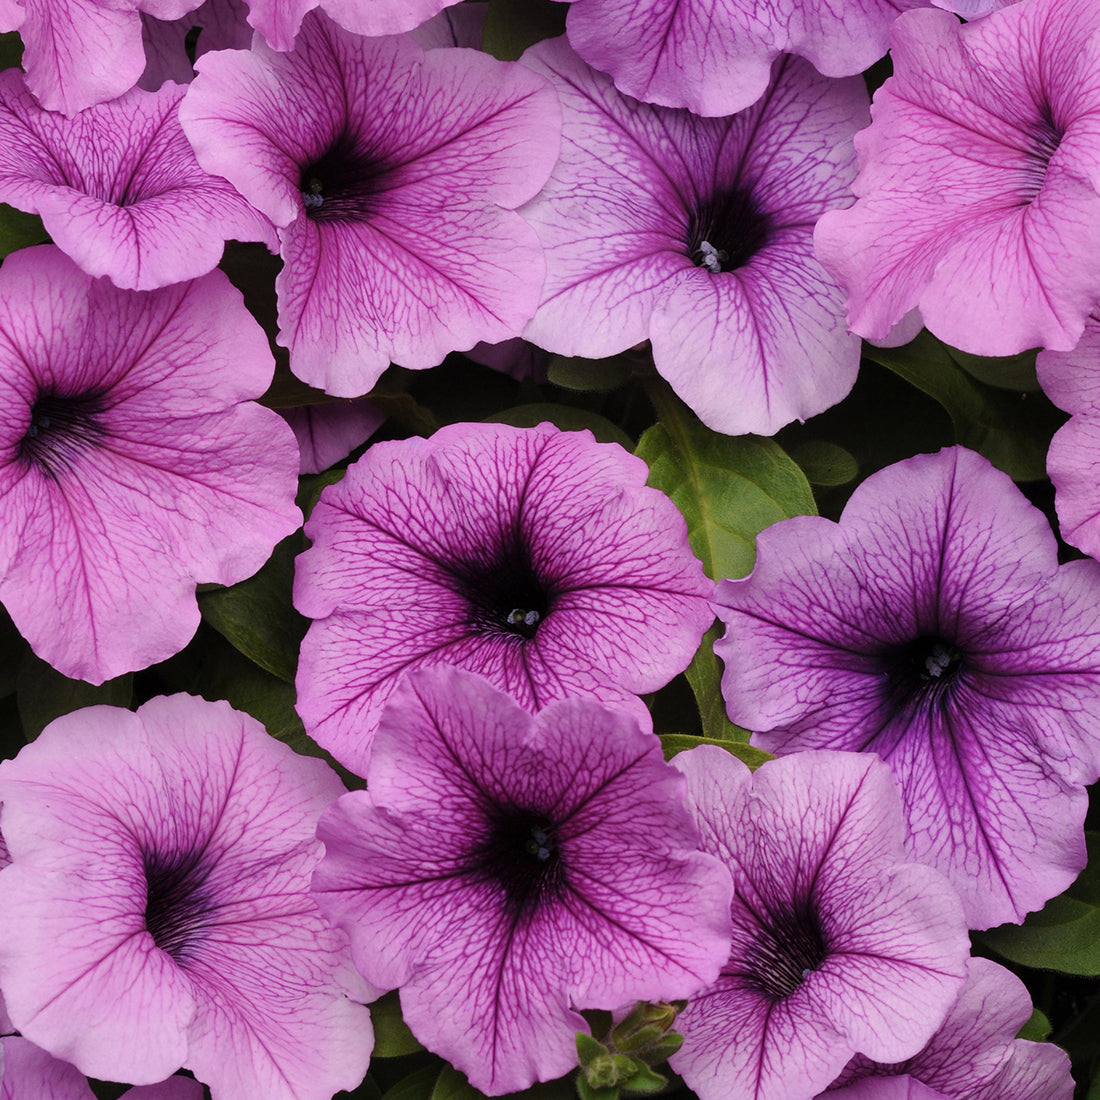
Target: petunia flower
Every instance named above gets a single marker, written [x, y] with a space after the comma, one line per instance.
[328, 432]
[118, 187]
[536, 557]
[979, 184]
[1072, 381]
[975, 1055]
[29, 1073]
[81, 52]
[840, 945]
[156, 912]
[132, 464]
[934, 626]
[506, 870]
[392, 173]
[697, 235]
[221, 25]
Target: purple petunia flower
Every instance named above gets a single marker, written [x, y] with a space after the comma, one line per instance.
[839, 944]
[222, 25]
[506, 870]
[329, 432]
[975, 1055]
[29, 1073]
[118, 187]
[82, 52]
[1072, 381]
[934, 626]
[157, 913]
[392, 173]
[536, 557]
[697, 234]
[132, 464]
[979, 184]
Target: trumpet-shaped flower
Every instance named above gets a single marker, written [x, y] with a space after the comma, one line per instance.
[392, 173]
[536, 557]
[157, 911]
[131, 464]
[840, 945]
[221, 25]
[979, 184]
[975, 1055]
[696, 233]
[934, 626]
[506, 870]
[118, 187]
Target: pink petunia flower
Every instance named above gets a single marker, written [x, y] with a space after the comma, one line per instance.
[506, 870]
[156, 912]
[392, 174]
[132, 464]
[536, 557]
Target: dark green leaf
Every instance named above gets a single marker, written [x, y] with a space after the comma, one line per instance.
[19, 230]
[513, 25]
[43, 694]
[257, 617]
[644, 1081]
[825, 463]
[565, 417]
[704, 674]
[1011, 429]
[392, 1037]
[1037, 1029]
[452, 1085]
[11, 50]
[672, 743]
[588, 375]
[417, 1086]
[729, 488]
[12, 648]
[1006, 372]
[311, 486]
[368, 1090]
[586, 1091]
[1065, 934]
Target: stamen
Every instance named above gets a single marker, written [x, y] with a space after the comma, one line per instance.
[712, 258]
[519, 617]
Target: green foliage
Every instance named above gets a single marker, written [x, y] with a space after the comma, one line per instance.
[392, 1037]
[729, 488]
[704, 674]
[513, 25]
[589, 375]
[417, 1086]
[826, 464]
[1065, 934]
[43, 694]
[19, 230]
[1012, 429]
[256, 616]
[1037, 1028]
[673, 743]
[566, 417]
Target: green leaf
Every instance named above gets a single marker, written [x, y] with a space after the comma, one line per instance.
[513, 25]
[257, 617]
[1011, 429]
[826, 464]
[19, 230]
[311, 486]
[587, 1092]
[1006, 372]
[644, 1081]
[588, 1048]
[672, 743]
[704, 674]
[729, 488]
[565, 417]
[392, 1037]
[11, 50]
[43, 694]
[1065, 934]
[452, 1085]
[588, 375]
[417, 1086]
[1037, 1029]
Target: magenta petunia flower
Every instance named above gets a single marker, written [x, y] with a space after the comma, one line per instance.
[29, 1073]
[131, 464]
[934, 626]
[118, 187]
[536, 557]
[81, 52]
[157, 912]
[221, 24]
[715, 56]
[697, 234]
[975, 1055]
[506, 870]
[979, 184]
[329, 432]
[1072, 381]
[392, 173]
[840, 945]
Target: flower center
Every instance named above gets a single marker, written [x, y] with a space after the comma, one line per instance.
[1045, 138]
[522, 854]
[60, 428]
[923, 671]
[788, 948]
[506, 595]
[727, 230]
[342, 183]
[176, 906]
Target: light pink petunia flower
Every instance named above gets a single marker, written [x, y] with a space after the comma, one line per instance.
[132, 462]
